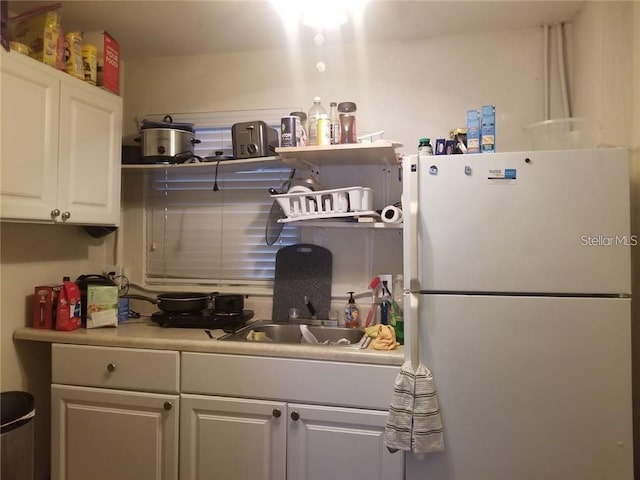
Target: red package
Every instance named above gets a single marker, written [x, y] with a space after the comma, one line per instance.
[68, 311]
[45, 298]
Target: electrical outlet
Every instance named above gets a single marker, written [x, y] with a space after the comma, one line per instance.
[385, 278]
[113, 271]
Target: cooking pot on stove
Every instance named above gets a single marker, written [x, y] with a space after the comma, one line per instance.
[167, 141]
[228, 304]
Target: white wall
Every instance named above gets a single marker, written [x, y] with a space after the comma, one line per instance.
[409, 90]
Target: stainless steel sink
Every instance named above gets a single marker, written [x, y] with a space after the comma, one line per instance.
[290, 333]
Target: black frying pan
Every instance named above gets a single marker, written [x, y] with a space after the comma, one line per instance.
[180, 302]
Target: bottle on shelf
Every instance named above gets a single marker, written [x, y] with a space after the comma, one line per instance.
[312, 121]
[335, 124]
[347, 117]
[424, 147]
[351, 313]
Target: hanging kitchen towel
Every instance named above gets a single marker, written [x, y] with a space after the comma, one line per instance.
[414, 423]
[397, 432]
[427, 434]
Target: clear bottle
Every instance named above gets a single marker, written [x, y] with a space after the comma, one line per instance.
[424, 147]
[312, 121]
[335, 124]
[347, 117]
[351, 313]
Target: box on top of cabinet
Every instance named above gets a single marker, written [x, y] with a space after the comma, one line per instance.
[39, 30]
[108, 59]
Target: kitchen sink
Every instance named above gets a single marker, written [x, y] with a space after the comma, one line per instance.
[291, 333]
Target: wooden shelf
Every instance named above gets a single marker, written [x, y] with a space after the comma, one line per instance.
[381, 152]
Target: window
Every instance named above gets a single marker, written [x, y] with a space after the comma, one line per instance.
[195, 234]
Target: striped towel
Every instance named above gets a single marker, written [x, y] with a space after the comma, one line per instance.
[414, 422]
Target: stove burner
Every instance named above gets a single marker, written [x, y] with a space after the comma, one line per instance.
[228, 322]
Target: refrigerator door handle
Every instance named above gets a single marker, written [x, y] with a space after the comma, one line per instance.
[410, 197]
[412, 329]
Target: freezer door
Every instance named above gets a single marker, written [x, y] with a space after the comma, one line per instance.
[529, 388]
[526, 222]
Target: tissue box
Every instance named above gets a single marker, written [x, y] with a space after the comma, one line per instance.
[102, 306]
[108, 59]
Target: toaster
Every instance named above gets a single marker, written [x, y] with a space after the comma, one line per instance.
[253, 139]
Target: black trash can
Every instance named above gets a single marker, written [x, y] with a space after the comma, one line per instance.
[17, 410]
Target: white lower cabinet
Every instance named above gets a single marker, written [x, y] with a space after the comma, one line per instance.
[291, 435]
[246, 439]
[115, 414]
[141, 414]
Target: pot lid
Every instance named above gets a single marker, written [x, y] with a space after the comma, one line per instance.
[167, 123]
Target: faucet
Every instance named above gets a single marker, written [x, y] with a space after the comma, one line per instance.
[312, 310]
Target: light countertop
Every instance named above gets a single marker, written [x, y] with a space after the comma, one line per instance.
[147, 334]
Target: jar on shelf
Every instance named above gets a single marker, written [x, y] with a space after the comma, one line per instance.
[347, 118]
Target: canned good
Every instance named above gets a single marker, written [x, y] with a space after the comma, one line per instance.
[73, 54]
[324, 130]
[301, 128]
[288, 131]
[90, 63]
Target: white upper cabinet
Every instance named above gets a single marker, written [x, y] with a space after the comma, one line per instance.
[60, 146]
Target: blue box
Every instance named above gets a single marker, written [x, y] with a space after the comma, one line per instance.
[473, 131]
[123, 310]
[488, 133]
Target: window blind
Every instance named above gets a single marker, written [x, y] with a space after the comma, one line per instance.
[197, 235]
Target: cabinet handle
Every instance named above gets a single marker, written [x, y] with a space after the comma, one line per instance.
[168, 406]
[295, 416]
[276, 412]
[111, 367]
[55, 213]
[66, 215]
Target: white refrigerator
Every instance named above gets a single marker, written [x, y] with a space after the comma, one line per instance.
[517, 298]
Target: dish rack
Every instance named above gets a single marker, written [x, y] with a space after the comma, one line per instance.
[335, 203]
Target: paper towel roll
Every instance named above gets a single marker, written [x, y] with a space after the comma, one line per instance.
[391, 214]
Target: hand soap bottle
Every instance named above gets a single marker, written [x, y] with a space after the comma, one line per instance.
[351, 313]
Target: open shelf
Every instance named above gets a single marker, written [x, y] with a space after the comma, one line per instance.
[381, 152]
[162, 166]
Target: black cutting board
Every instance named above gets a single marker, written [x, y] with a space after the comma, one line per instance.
[302, 269]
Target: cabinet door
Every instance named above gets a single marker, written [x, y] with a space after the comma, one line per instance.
[232, 439]
[90, 152]
[29, 139]
[339, 443]
[103, 434]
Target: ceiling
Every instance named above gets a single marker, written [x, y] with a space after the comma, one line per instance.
[151, 28]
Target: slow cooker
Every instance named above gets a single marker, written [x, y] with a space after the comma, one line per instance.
[167, 141]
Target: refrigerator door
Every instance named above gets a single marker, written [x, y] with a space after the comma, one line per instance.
[527, 222]
[535, 388]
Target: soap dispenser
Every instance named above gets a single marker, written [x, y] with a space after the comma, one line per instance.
[351, 313]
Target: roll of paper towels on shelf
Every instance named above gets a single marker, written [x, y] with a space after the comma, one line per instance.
[391, 214]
